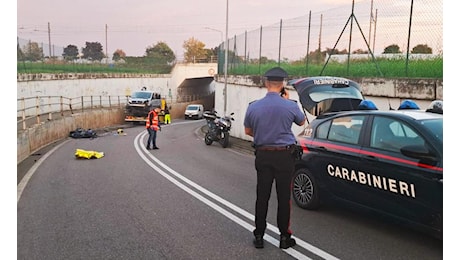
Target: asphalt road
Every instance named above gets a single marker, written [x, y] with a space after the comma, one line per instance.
[184, 201]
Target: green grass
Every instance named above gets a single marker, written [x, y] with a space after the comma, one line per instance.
[358, 68]
[382, 68]
[33, 68]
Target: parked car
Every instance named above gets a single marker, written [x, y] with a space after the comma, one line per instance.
[194, 111]
[387, 162]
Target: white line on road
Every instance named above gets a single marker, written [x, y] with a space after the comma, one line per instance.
[22, 184]
[298, 255]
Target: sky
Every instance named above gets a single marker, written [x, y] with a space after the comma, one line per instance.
[134, 25]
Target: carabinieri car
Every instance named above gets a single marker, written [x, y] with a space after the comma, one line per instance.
[389, 162]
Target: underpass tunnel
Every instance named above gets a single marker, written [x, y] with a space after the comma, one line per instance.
[198, 91]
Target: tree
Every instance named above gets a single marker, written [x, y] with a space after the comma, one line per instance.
[93, 51]
[212, 54]
[392, 49]
[194, 50]
[118, 54]
[20, 54]
[335, 51]
[161, 53]
[360, 51]
[317, 56]
[422, 48]
[70, 52]
[32, 51]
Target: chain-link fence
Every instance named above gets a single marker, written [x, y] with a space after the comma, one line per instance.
[346, 41]
[366, 38]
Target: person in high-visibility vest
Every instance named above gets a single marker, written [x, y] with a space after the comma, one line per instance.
[153, 125]
[167, 116]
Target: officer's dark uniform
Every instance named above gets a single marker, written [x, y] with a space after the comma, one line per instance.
[270, 119]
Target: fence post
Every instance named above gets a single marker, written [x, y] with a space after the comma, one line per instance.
[23, 114]
[50, 115]
[61, 101]
[279, 46]
[260, 48]
[37, 110]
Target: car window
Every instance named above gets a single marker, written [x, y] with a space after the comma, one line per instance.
[391, 135]
[434, 126]
[344, 129]
[323, 129]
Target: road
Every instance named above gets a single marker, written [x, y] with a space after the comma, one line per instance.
[184, 201]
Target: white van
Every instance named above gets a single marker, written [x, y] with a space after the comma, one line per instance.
[194, 111]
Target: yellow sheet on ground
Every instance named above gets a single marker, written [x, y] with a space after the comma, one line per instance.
[79, 153]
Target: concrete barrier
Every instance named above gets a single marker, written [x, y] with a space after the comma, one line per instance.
[40, 135]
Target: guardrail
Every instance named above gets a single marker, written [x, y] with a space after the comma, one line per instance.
[31, 110]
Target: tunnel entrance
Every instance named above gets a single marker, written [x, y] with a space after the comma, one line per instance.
[197, 90]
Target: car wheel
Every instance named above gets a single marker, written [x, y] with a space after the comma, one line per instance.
[305, 189]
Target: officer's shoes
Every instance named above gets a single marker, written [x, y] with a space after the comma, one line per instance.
[258, 241]
[286, 242]
[155, 148]
[148, 148]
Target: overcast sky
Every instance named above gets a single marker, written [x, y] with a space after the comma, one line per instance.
[133, 25]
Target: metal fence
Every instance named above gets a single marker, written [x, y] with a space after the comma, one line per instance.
[35, 110]
[39, 109]
[357, 28]
[362, 27]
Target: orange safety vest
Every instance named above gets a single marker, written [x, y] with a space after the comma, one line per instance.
[152, 120]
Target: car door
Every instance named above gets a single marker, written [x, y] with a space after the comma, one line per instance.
[396, 184]
[338, 154]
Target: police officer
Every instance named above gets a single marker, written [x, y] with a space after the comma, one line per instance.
[153, 125]
[269, 121]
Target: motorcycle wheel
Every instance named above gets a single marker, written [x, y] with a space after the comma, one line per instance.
[225, 141]
[208, 139]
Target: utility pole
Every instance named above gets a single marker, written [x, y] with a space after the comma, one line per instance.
[106, 53]
[319, 41]
[226, 60]
[49, 39]
[371, 19]
[375, 30]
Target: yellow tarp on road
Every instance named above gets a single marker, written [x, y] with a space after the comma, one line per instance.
[83, 154]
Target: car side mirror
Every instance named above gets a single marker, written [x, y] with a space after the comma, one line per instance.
[418, 152]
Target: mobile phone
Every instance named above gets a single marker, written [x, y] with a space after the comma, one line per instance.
[283, 92]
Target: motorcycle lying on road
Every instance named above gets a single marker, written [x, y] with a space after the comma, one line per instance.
[218, 128]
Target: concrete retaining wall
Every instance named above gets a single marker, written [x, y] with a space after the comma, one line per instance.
[240, 91]
[40, 135]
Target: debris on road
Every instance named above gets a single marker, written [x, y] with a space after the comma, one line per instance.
[83, 154]
[82, 133]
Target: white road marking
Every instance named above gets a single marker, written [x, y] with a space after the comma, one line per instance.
[291, 251]
[22, 184]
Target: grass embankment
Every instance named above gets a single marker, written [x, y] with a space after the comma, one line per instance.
[357, 68]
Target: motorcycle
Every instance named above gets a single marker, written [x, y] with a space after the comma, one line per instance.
[218, 128]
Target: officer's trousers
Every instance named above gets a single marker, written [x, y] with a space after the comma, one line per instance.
[278, 166]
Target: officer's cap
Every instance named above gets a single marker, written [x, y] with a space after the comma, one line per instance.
[276, 74]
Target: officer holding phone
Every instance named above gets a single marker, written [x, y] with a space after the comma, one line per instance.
[269, 121]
